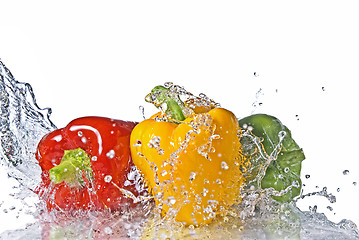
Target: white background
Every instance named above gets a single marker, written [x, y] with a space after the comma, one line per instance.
[103, 57]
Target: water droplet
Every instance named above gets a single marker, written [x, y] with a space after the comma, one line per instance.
[219, 181]
[79, 133]
[94, 158]
[159, 195]
[211, 150]
[171, 200]
[168, 84]
[127, 183]
[338, 189]
[330, 208]
[282, 134]
[108, 230]
[164, 173]
[354, 183]
[83, 139]
[255, 74]
[142, 110]
[156, 139]
[202, 95]
[192, 176]
[307, 176]
[160, 151]
[111, 154]
[323, 88]
[224, 165]
[286, 170]
[313, 209]
[137, 144]
[212, 215]
[108, 178]
[345, 172]
[65, 170]
[205, 191]
[297, 116]
[154, 142]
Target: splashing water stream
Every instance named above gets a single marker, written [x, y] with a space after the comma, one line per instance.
[257, 216]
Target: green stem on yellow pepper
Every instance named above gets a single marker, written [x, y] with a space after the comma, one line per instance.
[173, 102]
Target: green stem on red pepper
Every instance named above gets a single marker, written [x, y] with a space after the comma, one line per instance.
[73, 164]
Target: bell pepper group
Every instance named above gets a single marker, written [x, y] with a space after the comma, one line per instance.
[189, 154]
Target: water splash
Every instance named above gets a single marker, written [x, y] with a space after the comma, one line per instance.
[258, 216]
[257, 102]
[23, 124]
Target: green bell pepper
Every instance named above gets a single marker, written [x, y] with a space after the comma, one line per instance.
[277, 142]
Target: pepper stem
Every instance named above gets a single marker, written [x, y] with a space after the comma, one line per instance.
[172, 100]
[74, 164]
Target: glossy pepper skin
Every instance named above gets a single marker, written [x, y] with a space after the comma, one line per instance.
[191, 166]
[84, 163]
[286, 169]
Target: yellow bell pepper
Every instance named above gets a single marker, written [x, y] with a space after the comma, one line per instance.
[191, 165]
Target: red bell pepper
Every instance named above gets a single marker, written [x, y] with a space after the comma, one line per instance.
[84, 165]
